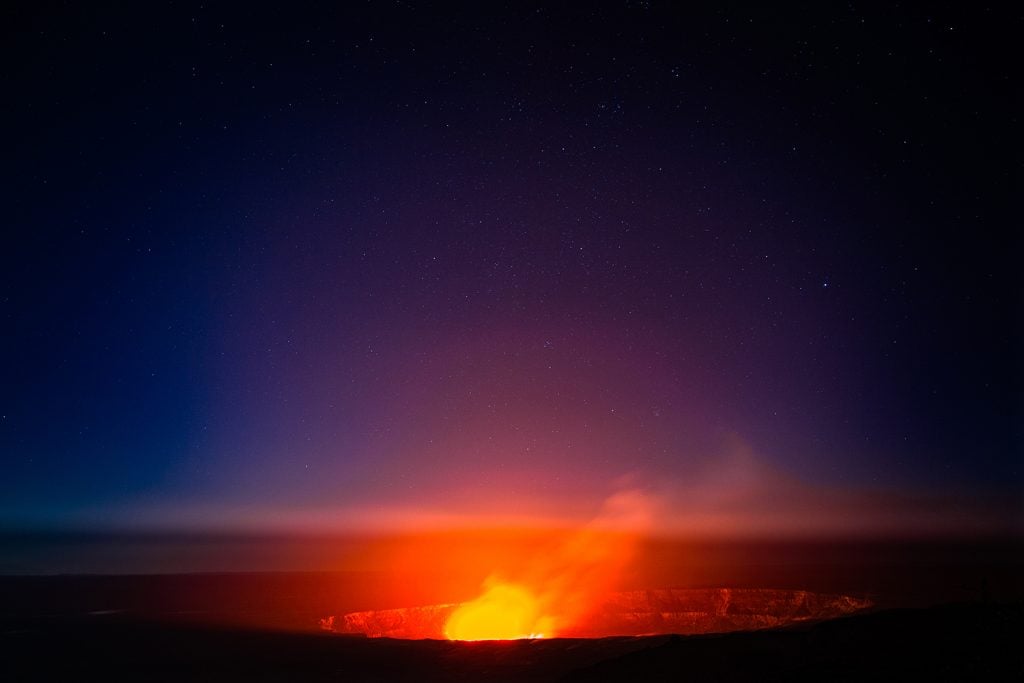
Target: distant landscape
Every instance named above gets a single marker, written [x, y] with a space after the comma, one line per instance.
[623, 340]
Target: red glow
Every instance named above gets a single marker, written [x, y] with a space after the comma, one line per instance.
[505, 612]
[556, 589]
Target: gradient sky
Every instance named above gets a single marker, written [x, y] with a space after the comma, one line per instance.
[394, 262]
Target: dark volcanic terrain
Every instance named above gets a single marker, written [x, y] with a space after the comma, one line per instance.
[946, 643]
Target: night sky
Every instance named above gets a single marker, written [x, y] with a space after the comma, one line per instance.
[398, 265]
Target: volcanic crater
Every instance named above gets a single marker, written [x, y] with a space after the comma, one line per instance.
[684, 611]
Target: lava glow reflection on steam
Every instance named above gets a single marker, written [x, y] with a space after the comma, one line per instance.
[561, 588]
[504, 612]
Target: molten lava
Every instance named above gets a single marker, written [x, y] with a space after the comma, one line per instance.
[559, 588]
[504, 612]
[627, 613]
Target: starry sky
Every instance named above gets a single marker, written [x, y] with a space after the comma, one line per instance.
[395, 264]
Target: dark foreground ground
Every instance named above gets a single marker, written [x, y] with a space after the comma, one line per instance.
[980, 641]
[943, 611]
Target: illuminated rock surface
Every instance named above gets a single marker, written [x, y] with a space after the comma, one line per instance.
[683, 611]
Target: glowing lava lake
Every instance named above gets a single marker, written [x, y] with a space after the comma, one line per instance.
[507, 612]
